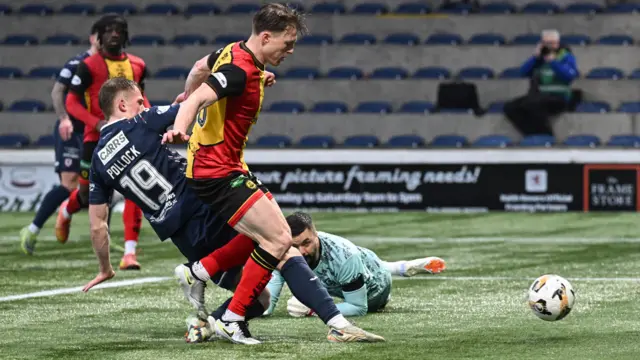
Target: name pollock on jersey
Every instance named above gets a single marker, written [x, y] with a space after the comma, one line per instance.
[112, 149]
[120, 165]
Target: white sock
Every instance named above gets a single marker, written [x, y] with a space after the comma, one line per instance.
[34, 229]
[338, 322]
[130, 247]
[231, 316]
[199, 271]
[65, 213]
[395, 268]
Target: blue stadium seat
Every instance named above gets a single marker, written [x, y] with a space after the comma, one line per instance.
[202, 9]
[189, 39]
[487, 39]
[417, 107]
[583, 8]
[493, 141]
[623, 8]
[14, 140]
[46, 140]
[615, 39]
[576, 39]
[537, 141]
[635, 74]
[624, 140]
[243, 8]
[402, 39]
[389, 73]
[511, 73]
[444, 39]
[455, 111]
[20, 39]
[120, 8]
[582, 140]
[496, 107]
[161, 9]
[27, 105]
[78, 9]
[374, 107]
[5, 9]
[9, 72]
[172, 72]
[449, 141]
[456, 9]
[593, 107]
[432, 72]
[412, 141]
[229, 38]
[345, 72]
[35, 9]
[358, 39]
[1, 106]
[476, 72]
[157, 102]
[147, 40]
[62, 39]
[632, 107]
[526, 39]
[294, 5]
[292, 107]
[540, 7]
[327, 107]
[317, 39]
[274, 141]
[368, 141]
[307, 73]
[328, 8]
[498, 7]
[412, 9]
[44, 72]
[370, 9]
[317, 141]
[605, 73]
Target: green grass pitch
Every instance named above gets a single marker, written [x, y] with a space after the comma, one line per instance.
[474, 310]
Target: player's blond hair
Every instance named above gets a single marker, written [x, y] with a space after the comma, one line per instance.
[110, 90]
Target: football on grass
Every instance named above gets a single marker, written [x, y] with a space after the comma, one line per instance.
[551, 297]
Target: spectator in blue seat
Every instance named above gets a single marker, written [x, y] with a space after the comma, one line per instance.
[551, 70]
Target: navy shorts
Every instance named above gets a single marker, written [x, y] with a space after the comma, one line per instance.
[68, 153]
[200, 236]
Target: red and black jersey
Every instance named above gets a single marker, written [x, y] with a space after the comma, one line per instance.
[92, 72]
[220, 134]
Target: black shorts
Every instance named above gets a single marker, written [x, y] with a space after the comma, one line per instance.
[230, 196]
[67, 152]
[85, 163]
[203, 234]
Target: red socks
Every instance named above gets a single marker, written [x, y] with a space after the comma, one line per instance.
[73, 206]
[132, 219]
[255, 277]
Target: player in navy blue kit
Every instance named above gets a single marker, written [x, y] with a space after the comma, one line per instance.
[130, 158]
[68, 148]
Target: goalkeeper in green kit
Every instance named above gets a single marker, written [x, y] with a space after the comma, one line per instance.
[349, 272]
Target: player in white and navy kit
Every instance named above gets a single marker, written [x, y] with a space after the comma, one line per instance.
[68, 134]
[349, 272]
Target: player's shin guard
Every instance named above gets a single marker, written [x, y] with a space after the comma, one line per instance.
[306, 287]
[255, 276]
[50, 204]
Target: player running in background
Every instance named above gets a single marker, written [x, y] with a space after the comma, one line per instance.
[68, 147]
[349, 272]
[130, 159]
[226, 106]
[82, 103]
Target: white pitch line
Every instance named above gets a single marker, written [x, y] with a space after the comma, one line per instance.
[490, 239]
[62, 291]
[514, 278]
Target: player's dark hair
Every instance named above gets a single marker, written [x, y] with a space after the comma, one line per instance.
[100, 27]
[110, 90]
[278, 18]
[299, 222]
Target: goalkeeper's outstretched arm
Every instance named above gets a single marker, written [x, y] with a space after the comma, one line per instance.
[275, 287]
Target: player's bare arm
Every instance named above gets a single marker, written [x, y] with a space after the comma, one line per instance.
[57, 97]
[202, 97]
[98, 215]
[198, 74]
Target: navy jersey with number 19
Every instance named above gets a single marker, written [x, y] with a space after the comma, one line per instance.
[130, 158]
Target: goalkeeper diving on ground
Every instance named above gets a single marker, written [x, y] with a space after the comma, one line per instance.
[349, 272]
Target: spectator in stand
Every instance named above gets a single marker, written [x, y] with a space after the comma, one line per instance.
[551, 70]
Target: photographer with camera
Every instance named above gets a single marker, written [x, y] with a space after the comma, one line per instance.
[551, 70]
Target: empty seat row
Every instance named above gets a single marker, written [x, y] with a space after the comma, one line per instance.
[325, 39]
[365, 8]
[350, 73]
[415, 141]
[406, 141]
